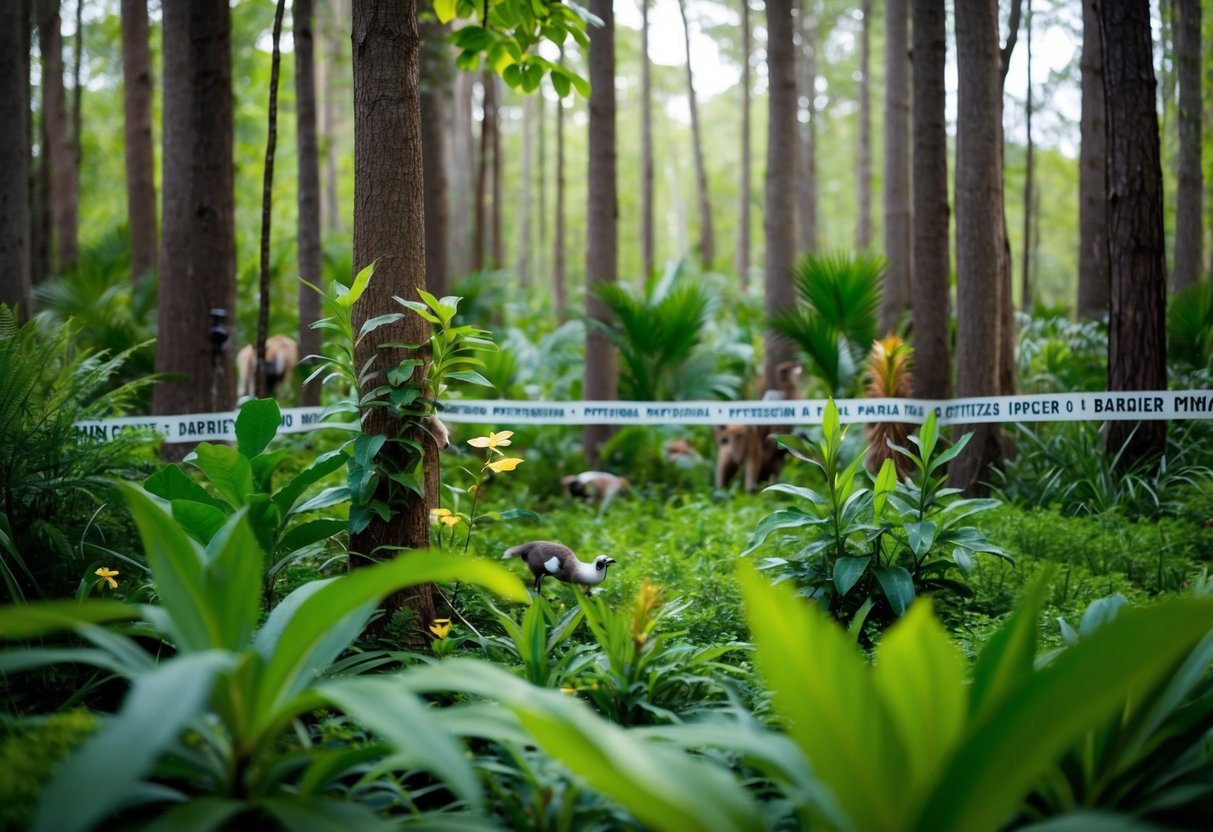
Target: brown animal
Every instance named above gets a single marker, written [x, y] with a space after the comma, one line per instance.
[281, 356]
[594, 487]
[751, 448]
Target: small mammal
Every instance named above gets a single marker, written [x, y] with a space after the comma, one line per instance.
[751, 448]
[281, 357]
[544, 558]
[594, 487]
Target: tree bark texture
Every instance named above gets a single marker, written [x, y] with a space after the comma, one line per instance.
[461, 185]
[541, 183]
[198, 254]
[14, 159]
[863, 166]
[781, 157]
[742, 264]
[267, 203]
[559, 299]
[602, 220]
[484, 172]
[979, 227]
[707, 239]
[498, 249]
[1007, 370]
[931, 301]
[1189, 192]
[1094, 278]
[806, 155]
[137, 126]
[898, 226]
[389, 230]
[648, 244]
[310, 264]
[522, 263]
[57, 144]
[437, 65]
[1025, 286]
[1137, 344]
[331, 121]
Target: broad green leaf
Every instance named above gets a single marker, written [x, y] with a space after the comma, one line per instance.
[325, 815]
[1007, 659]
[264, 465]
[228, 471]
[920, 536]
[357, 287]
[256, 425]
[325, 464]
[830, 424]
[847, 571]
[21, 660]
[951, 453]
[156, 710]
[444, 10]
[313, 531]
[372, 324]
[171, 483]
[560, 82]
[41, 618]
[472, 38]
[471, 377]
[886, 481]
[233, 580]
[198, 814]
[199, 520]
[898, 586]
[782, 519]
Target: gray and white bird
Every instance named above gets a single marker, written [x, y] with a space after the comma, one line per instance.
[545, 558]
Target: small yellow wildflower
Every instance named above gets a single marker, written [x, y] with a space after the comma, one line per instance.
[437, 514]
[451, 519]
[493, 440]
[107, 575]
[441, 627]
[507, 463]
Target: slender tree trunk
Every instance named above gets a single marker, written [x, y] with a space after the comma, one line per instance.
[330, 112]
[310, 269]
[743, 212]
[1189, 260]
[78, 98]
[602, 219]
[781, 157]
[863, 167]
[389, 227]
[1025, 288]
[267, 201]
[198, 254]
[488, 117]
[1007, 371]
[979, 227]
[541, 250]
[1137, 344]
[931, 305]
[707, 240]
[436, 68]
[1094, 278]
[806, 155]
[14, 158]
[56, 135]
[558, 277]
[498, 242]
[522, 263]
[140, 158]
[646, 142]
[898, 227]
[463, 169]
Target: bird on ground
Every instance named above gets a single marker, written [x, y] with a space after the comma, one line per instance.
[544, 558]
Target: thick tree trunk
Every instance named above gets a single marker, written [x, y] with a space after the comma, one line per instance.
[559, 300]
[310, 268]
[931, 304]
[1025, 286]
[58, 149]
[267, 201]
[648, 245]
[602, 219]
[979, 227]
[140, 158]
[806, 154]
[389, 227]
[863, 165]
[14, 158]
[198, 255]
[436, 68]
[1137, 343]
[1094, 279]
[707, 240]
[1190, 177]
[743, 209]
[462, 170]
[898, 227]
[781, 157]
[522, 263]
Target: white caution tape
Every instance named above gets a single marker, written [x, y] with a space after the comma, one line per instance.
[1044, 407]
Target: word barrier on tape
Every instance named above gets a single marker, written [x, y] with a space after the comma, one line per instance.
[1045, 407]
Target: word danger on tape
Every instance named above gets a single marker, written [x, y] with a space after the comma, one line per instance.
[1055, 407]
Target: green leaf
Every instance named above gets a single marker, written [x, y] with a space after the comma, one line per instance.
[228, 471]
[847, 571]
[560, 82]
[372, 324]
[471, 377]
[198, 814]
[313, 531]
[319, 814]
[41, 618]
[357, 287]
[325, 464]
[256, 425]
[171, 483]
[444, 10]
[886, 482]
[473, 38]
[830, 424]
[782, 519]
[233, 581]
[920, 536]
[1007, 659]
[898, 587]
[199, 520]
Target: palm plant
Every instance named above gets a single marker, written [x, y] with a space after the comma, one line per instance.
[1190, 327]
[836, 315]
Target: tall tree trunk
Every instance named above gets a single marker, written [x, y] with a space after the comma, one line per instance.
[14, 158]
[310, 269]
[979, 227]
[806, 155]
[1007, 370]
[1025, 287]
[137, 124]
[436, 68]
[57, 138]
[743, 212]
[602, 219]
[559, 300]
[781, 157]
[1094, 278]
[334, 37]
[707, 240]
[863, 165]
[462, 181]
[488, 117]
[267, 201]
[648, 245]
[389, 227]
[1137, 343]
[198, 254]
[541, 250]
[1189, 260]
[78, 94]
[898, 230]
[522, 267]
[498, 242]
[931, 306]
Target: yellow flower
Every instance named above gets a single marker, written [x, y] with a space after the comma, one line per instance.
[107, 575]
[493, 440]
[441, 627]
[507, 463]
[437, 514]
[451, 519]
